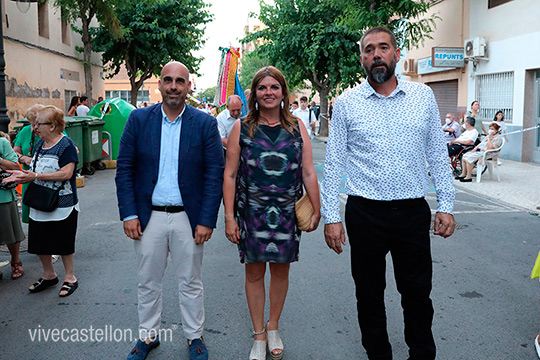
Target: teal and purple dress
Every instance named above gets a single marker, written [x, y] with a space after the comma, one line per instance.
[268, 184]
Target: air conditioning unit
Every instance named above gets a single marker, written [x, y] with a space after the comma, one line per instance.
[408, 67]
[475, 48]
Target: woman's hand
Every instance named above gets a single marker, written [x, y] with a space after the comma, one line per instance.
[232, 232]
[26, 160]
[315, 218]
[20, 176]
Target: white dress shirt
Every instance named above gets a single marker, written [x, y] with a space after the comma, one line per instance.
[304, 116]
[225, 123]
[383, 144]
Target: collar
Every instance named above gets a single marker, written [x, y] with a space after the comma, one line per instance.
[166, 119]
[366, 90]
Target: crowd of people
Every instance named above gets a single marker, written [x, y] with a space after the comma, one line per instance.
[261, 165]
[170, 191]
[50, 203]
[464, 140]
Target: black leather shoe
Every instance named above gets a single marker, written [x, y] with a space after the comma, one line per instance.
[459, 177]
[465, 180]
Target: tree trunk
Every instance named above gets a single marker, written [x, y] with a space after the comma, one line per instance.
[323, 116]
[134, 92]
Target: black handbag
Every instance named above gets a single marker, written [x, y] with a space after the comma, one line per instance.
[40, 197]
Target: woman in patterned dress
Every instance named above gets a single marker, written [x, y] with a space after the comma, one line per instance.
[269, 158]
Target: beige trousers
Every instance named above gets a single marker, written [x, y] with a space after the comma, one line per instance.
[169, 233]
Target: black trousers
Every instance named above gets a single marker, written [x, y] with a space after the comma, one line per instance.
[454, 149]
[400, 227]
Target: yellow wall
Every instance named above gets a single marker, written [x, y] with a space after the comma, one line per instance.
[452, 30]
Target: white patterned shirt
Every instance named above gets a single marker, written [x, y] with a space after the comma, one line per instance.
[387, 146]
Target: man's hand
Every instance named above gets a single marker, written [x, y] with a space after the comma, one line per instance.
[334, 235]
[202, 234]
[444, 224]
[132, 228]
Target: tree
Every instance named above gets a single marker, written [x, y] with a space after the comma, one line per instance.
[406, 18]
[304, 41]
[155, 32]
[208, 94]
[85, 11]
[251, 63]
[317, 40]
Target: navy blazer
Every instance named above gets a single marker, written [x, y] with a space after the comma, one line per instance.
[200, 165]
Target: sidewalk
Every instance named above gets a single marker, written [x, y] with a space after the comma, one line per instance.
[519, 186]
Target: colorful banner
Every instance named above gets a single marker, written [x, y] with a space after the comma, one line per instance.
[228, 83]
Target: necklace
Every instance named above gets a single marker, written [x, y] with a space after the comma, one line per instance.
[266, 122]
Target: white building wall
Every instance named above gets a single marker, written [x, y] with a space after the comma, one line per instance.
[512, 34]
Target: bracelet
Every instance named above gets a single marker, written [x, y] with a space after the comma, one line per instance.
[36, 179]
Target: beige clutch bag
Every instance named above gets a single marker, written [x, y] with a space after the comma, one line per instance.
[304, 212]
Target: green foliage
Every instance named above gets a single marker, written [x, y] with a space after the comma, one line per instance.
[305, 43]
[155, 32]
[251, 63]
[85, 11]
[404, 17]
[209, 94]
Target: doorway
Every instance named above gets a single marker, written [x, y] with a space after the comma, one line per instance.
[535, 148]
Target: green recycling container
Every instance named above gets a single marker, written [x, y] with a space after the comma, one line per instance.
[92, 134]
[74, 129]
[115, 113]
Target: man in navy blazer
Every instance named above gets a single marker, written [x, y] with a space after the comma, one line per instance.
[169, 187]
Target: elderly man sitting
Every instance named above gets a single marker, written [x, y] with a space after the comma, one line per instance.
[492, 141]
[468, 138]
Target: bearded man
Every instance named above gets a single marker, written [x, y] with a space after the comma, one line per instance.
[383, 131]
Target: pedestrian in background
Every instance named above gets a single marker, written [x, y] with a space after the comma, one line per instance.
[269, 158]
[75, 102]
[24, 146]
[169, 185]
[387, 181]
[82, 109]
[53, 232]
[474, 113]
[307, 116]
[11, 232]
[227, 118]
[499, 120]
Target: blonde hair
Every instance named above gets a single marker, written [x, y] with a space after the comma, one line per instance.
[55, 116]
[4, 135]
[31, 112]
[288, 121]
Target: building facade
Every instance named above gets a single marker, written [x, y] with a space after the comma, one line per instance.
[42, 63]
[500, 41]
[120, 87]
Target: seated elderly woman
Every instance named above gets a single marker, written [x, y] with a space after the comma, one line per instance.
[492, 141]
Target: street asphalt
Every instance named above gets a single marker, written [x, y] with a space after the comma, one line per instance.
[486, 306]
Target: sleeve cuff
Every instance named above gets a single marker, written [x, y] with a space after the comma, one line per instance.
[130, 217]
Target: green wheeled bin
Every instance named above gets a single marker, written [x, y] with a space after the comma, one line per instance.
[74, 129]
[115, 113]
[92, 133]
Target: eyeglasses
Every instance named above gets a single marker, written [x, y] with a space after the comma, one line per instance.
[39, 124]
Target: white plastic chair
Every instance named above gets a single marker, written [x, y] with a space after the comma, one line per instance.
[492, 163]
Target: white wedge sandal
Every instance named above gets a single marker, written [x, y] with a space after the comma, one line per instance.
[274, 343]
[258, 350]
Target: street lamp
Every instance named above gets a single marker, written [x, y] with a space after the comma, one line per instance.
[4, 119]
